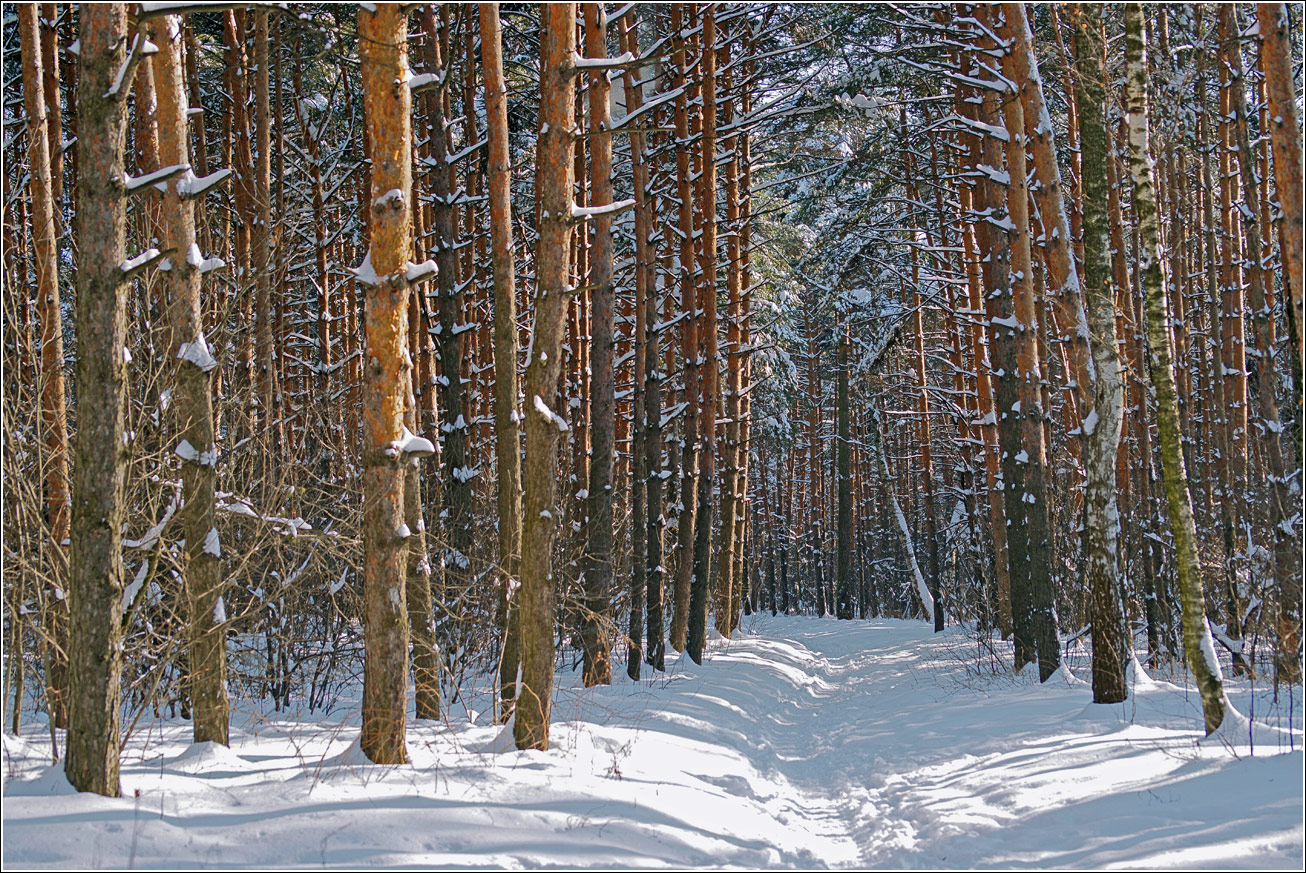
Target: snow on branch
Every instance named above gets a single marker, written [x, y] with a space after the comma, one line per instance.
[419, 272]
[653, 103]
[365, 272]
[995, 131]
[412, 444]
[152, 535]
[159, 178]
[584, 213]
[544, 410]
[140, 48]
[192, 186]
[142, 262]
[427, 81]
[155, 10]
[198, 353]
[579, 63]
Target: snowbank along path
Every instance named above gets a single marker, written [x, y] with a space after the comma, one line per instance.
[801, 743]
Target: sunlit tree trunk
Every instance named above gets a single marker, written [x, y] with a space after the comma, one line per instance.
[53, 415]
[507, 419]
[95, 649]
[597, 563]
[543, 424]
[1100, 425]
[1199, 648]
[1285, 138]
[1040, 618]
[192, 402]
[688, 492]
[728, 581]
[387, 109]
[1283, 506]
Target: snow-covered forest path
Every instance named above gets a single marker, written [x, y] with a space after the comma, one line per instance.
[802, 743]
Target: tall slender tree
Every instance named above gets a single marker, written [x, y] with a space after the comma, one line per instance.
[1199, 648]
[95, 650]
[53, 417]
[387, 107]
[597, 565]
[507, 428]
[192, 399]
[553, 293]
[1100, 424]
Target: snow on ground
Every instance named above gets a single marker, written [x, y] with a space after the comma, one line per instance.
[801, 743]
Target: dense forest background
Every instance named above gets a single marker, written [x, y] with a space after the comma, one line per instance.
[832, 309]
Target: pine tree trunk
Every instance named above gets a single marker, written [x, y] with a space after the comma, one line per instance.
[192, 404]
[95, 649]
[53, 415]
[383, 41]
[1282, 505]
[843, 559]
[507, 428]
[456, 487]
[995, 256]
[1285, 138]
[647, 478]
[597, 563]
[53, 109]
[543, 424]
[700, 594]
[1040, 618]
[688, 496]
[262, 243]
[1198, 645]
[421, 619]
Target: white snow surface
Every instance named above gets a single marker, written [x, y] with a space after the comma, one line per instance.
[800, 743]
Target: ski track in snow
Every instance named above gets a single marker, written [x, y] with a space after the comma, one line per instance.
[800, 743]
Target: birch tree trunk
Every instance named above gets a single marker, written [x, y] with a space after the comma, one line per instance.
[1199, 648]
[1100, 425]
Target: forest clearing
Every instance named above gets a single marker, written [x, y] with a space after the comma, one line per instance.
[906, 398]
